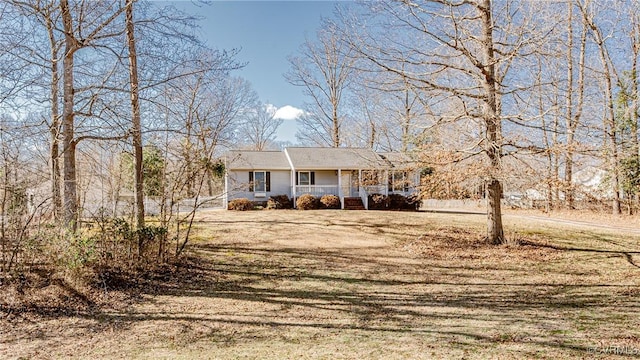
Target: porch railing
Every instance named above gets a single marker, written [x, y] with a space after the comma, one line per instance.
[317, 190]
[364, 196]
[376, 189]
[406, 192]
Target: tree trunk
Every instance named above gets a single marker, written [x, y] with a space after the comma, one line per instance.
[568, 170]
[609, 121]
[556, 153]
[495, 233]
[407, 121]
[573, 120]
[611, 130]
[635, 145]
[188, 159]
[54, 127]
[635, 91]
[372, 137]
[136, 131]
[336, 126]
[68, 142]
[3, 206]
[550, 149]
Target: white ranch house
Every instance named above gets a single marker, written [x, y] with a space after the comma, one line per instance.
[349, 173]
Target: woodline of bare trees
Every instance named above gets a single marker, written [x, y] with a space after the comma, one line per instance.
[550, 88]
[99, 120]
[527, 97]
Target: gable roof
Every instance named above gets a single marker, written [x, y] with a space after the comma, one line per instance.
[334, 158]
[314, 158]
[399, 160]
[257, 160]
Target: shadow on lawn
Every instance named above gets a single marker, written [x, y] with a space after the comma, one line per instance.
[627, 255]
[363, 294]
[288, 287]
[395, 230]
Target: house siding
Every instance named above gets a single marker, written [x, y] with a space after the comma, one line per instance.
[238, 184]
[324, 177]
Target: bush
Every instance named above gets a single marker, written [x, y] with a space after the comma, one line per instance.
[378, 202]
[279, 202]
[393, 202]
[307, 202]
[399, 202]
[242, 204]
[414, 201]
[330, 202]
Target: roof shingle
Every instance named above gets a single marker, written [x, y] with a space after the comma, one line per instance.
[257, 160]
[335, 158]
[306, 158]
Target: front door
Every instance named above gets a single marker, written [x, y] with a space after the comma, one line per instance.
[346, 183]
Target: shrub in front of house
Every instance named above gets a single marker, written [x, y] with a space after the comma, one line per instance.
[279, 202]
[330, 202]
[397, 202]
[241, 204]
[378, 202]
[307, 202]
[414, 201]
[400, 202]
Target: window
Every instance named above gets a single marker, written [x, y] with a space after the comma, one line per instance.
[305, 178]
[399, 181]
[259, 181]
[372, 178]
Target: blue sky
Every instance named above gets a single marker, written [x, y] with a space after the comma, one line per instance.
[267, 32]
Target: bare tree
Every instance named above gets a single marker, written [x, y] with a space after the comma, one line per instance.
[396, 111]
[23, 69]
[77, 37]
[136, 129]
[323, 70]
[260, 127]
[210, 106]
[573, 118]
[457, 52]
[610, 127]
[627, 115]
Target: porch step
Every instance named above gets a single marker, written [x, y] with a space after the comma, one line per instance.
[353, 203]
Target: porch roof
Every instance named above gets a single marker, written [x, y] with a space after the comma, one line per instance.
[335, 158]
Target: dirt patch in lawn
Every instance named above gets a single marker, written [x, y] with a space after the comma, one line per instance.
[356, 284]
[459, 244]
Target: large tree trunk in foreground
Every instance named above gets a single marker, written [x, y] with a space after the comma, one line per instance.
[135, 117]
[54, 127]
[495, 233]
[68, 142]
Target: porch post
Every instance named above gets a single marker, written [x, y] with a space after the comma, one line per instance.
[225, 194]
[340, 193]
[386, 182]
[293, 186]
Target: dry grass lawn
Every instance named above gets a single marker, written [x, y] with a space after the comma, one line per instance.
[364, 285]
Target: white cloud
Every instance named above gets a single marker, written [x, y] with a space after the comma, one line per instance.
[270, 109]
[288, 112]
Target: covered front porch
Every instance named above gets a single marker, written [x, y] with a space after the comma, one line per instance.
[349, 184]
